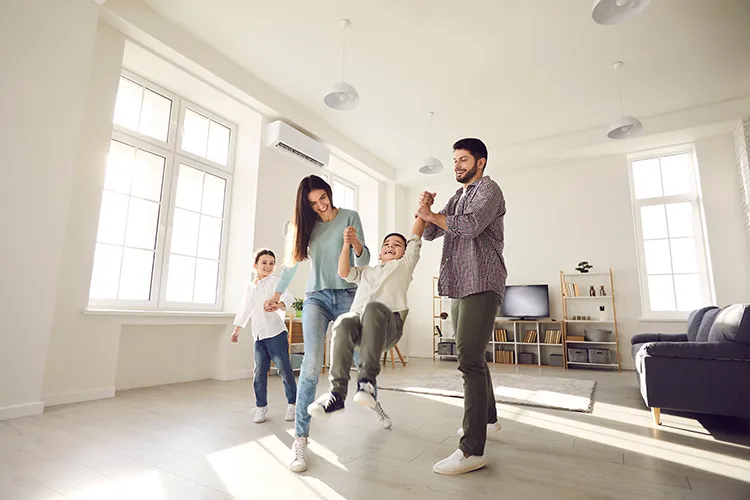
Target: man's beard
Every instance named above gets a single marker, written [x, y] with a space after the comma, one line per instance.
[468, 175]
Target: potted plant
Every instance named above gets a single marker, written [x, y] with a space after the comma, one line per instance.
[583, 267]
[297, 306]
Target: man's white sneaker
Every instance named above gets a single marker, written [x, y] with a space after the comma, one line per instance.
[260, 414]
[299, 455]
[490, 429]
[457, 463]
[365, 395]
[291, 411]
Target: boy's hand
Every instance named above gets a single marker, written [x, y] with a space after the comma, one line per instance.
[350, 236]
[427, 198]
[424, 213]
[270, 306]
[235, 335]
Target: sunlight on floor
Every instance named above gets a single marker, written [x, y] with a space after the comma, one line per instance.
[144, 486]
[684, 455]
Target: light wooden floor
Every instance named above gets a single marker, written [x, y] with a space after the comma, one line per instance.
[197, 441]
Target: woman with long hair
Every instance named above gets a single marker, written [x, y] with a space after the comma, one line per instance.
[316, 232]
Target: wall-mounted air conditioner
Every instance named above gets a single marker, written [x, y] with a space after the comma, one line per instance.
[283, 137]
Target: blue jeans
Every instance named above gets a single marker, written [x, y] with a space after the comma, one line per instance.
[276, 349]
[319, 309]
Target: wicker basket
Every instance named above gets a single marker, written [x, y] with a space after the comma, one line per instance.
[577, 355]
[599, 356]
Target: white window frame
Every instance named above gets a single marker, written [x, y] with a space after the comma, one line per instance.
[329, 177]
[699, 229]
[174, 155]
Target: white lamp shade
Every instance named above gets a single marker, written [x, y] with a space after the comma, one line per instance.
[431, 166]
[342, 97]
[617, 11]
[624, 127]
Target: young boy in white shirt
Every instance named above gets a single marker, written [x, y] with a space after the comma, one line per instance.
[376, 320]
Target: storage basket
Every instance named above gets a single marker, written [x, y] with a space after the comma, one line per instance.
[577, 355]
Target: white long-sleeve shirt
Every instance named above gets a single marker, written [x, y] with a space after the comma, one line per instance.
[388, 282]
[264, 325]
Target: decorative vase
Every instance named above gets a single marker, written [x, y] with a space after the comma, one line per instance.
[298, 313]
[602, 315]
[592, 291]
[602, 292]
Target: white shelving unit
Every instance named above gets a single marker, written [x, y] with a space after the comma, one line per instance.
[586, 305]
[516, 330]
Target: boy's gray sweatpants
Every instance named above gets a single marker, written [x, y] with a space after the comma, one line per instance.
[375, 330]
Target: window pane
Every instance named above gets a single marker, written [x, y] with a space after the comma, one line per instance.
[338, 194]
[654, 222]
[214, 189]
[195, 133]
[106, 273]
[185, 232]
[148, 175]
[143, 219]
[688, 290]
[661, 293]
[112, 218]
[206, 280]
[180, 278]
[128, 104]
[155, 115]
[684, 255]
[680, 219]
[209, 241]
[676, 174]
[218, 143]
[647, 179]
[135, 279]
[119, 167]
[349, 198]
[657, 257]
[189, 188]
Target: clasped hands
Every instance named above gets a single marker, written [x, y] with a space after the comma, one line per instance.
[424, 212]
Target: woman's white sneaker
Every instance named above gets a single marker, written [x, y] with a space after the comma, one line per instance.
[291, 411]
[496, 427]
[457, 463]
[299, 455]
[260, 414]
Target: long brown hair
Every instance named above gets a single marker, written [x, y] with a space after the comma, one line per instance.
[303, 219]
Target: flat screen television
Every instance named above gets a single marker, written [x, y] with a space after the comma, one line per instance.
[525, 302]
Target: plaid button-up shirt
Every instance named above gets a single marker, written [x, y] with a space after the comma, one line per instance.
[473, 248]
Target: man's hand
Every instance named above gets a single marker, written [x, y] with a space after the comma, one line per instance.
[350, 236]
[424, 213]
[427, 198]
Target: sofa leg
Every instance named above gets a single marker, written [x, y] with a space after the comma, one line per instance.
[656, 412]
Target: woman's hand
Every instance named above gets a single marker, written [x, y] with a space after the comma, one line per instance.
[350, 236]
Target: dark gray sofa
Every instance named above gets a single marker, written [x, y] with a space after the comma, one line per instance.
[706, 370]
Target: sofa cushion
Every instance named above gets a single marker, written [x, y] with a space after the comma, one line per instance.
[706, 323]
[732, 323]
[695, 320]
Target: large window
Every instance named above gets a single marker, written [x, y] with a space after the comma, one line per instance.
[344, 193]
[163, 219]
[668, 213]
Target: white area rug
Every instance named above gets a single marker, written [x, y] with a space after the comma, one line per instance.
[547, 392]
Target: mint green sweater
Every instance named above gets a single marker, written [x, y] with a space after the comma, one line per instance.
[325, 247]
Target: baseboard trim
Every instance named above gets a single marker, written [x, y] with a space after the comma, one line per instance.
[79, 396]
[18, 411]
[237, 375]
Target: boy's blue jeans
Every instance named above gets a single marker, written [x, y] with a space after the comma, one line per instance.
[274, 349]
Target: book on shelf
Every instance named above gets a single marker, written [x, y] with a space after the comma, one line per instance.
[529, 337]
[501, 335]
[504, 356]
[553, 337]
[573, 290]
[576, 338]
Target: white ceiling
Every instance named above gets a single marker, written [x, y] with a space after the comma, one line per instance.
[520, 74]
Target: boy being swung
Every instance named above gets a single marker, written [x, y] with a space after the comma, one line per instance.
[376, 320]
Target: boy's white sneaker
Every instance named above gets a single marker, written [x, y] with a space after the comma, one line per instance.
[490, 429]
[366, 397]
[383, 419]
[299, 455]
[291, 412]
[260, 414]
[457, 463]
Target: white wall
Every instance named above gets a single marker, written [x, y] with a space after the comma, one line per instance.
[45, 61]
[560, 215]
